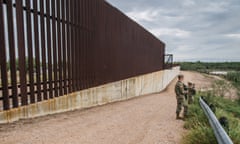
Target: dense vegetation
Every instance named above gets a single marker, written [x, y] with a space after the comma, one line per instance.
[200, 132]
[233, 69]
[234, 77]
[210, 66]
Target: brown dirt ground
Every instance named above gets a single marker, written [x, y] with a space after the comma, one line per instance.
[146, 119]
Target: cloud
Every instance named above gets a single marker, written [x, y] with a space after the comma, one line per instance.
[234, 35]
[185, 48]
[191, 29]
[171, 32]
[148, 15]
[216, 7]
[188, 3]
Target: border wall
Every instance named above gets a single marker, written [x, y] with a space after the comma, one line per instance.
[53, 48]
[62, 55]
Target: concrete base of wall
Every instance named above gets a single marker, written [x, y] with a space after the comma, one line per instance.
[112, 92]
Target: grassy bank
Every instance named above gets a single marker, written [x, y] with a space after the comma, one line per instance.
[200, 131]
[234, 78]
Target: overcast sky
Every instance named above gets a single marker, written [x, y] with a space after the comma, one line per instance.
[191, 29]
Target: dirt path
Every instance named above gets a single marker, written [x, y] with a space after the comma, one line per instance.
[147, 119]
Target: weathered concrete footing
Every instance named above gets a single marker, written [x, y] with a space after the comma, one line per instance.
[111, 92]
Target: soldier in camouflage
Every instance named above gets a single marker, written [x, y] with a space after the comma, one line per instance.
[180, 95]
[191, 92]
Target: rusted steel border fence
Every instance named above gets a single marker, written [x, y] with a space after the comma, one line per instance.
[49, 48]
[168, 61]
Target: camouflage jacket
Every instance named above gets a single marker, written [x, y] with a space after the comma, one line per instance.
[179, 90]
[191, 91]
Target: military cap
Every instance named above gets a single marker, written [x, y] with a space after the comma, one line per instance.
[189, 83]
[180, 76]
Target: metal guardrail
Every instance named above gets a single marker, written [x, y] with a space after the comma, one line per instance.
[219, 132]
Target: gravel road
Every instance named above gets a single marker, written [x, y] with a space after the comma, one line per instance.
[147, 119]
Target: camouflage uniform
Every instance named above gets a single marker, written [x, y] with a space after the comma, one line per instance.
[181, 100]
[191, 93]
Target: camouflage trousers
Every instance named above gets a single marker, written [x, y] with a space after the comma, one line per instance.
[180, 104]
[190, 99]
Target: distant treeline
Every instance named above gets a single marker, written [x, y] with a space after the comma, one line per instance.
[234, 77]
[210, 66]
[233, 69]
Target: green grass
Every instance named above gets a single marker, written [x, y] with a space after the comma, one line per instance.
[234, 78]
[200, 131]
[200, 135]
